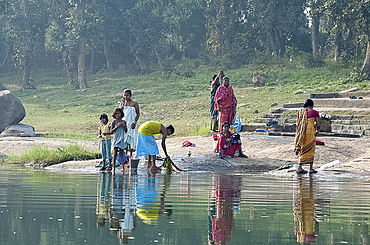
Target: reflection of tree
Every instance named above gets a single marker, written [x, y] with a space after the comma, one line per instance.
[123, 209]
[103, 198]
[306, 225]
[148, 207]
[225, 198]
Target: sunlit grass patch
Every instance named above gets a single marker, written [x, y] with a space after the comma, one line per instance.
[45, 157]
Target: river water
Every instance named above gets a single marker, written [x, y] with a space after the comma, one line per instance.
[41, 207]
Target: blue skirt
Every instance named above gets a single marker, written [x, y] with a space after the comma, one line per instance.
[146, 145]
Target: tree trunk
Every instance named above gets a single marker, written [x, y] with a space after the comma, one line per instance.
[338, 39]
[5, 58]
[142, 65]
[81, 69]
[107, 57]
[366, 66]
[92, 65]
[26, 66]
[159, 60]
[315, 36]
[67, 65]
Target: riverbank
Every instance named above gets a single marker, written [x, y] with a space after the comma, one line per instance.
[264, 152]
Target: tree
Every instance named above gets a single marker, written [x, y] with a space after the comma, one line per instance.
[315, 9]
[25, 30]
[364, 23]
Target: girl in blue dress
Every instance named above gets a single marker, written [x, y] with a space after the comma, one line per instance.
[119, 128]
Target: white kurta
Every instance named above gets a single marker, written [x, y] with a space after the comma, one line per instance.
[131, 135]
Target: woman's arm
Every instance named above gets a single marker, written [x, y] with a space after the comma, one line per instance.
[124, 124]
[164, 136]
[213, 84]
[136, 105]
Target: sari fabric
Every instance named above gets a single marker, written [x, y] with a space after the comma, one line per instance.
[305, 136]
[229, 145]
[225, 103]
[213, 111]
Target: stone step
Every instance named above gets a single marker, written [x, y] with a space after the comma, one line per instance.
[351, 122]
[343, 94]
[334, 103]
[362, 130]
[273, 115]
[279, 120]
[348, 117]
[294, 115]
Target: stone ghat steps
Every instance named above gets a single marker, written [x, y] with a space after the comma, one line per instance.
[340, 124]
[335, 119]
[362, 130]
[334, 103]
[356, 103]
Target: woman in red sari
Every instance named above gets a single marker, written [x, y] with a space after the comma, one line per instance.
[229, 143]
[225, 103]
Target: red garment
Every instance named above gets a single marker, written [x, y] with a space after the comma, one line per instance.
[226, 148]
[311, 113]
[225, 103]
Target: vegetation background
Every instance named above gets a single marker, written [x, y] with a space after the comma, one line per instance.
[69, 61]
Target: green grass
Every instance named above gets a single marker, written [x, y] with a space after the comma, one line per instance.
[171, 99]
[72, 135]
[45, 157]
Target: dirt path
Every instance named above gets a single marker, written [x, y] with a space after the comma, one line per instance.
[264, 152]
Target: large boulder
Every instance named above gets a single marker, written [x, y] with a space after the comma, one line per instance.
[259, 81]
[11, 109]
[19, 130]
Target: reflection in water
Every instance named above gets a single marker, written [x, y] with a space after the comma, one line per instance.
[123, 197]
[103, 198]
[117, 204]
[122, 214]
[148, 207]
[225, 198]
[305, 222]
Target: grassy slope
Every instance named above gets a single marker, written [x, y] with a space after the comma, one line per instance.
[183, 102]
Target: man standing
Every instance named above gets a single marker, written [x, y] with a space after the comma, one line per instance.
[226, 103]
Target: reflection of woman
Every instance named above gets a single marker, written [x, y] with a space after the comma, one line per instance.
[128, 224]
[226, 194]
[305, 136]
[306, 226]
[148, 206]
[229, 144]
[123, 215]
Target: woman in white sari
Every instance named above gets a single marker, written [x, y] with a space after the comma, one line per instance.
[132, 113]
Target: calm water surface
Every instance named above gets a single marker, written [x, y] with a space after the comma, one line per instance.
[40, 207]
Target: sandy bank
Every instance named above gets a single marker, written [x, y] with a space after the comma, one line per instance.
[265, 153]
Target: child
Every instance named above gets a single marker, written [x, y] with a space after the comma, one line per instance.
[118, 128]
[106, 137]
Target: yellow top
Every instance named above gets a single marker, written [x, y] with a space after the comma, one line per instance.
[150, 128]
[105, 129]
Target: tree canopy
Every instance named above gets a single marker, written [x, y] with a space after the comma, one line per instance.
[141, 36]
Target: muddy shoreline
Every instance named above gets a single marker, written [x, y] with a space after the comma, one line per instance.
[265, 153]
